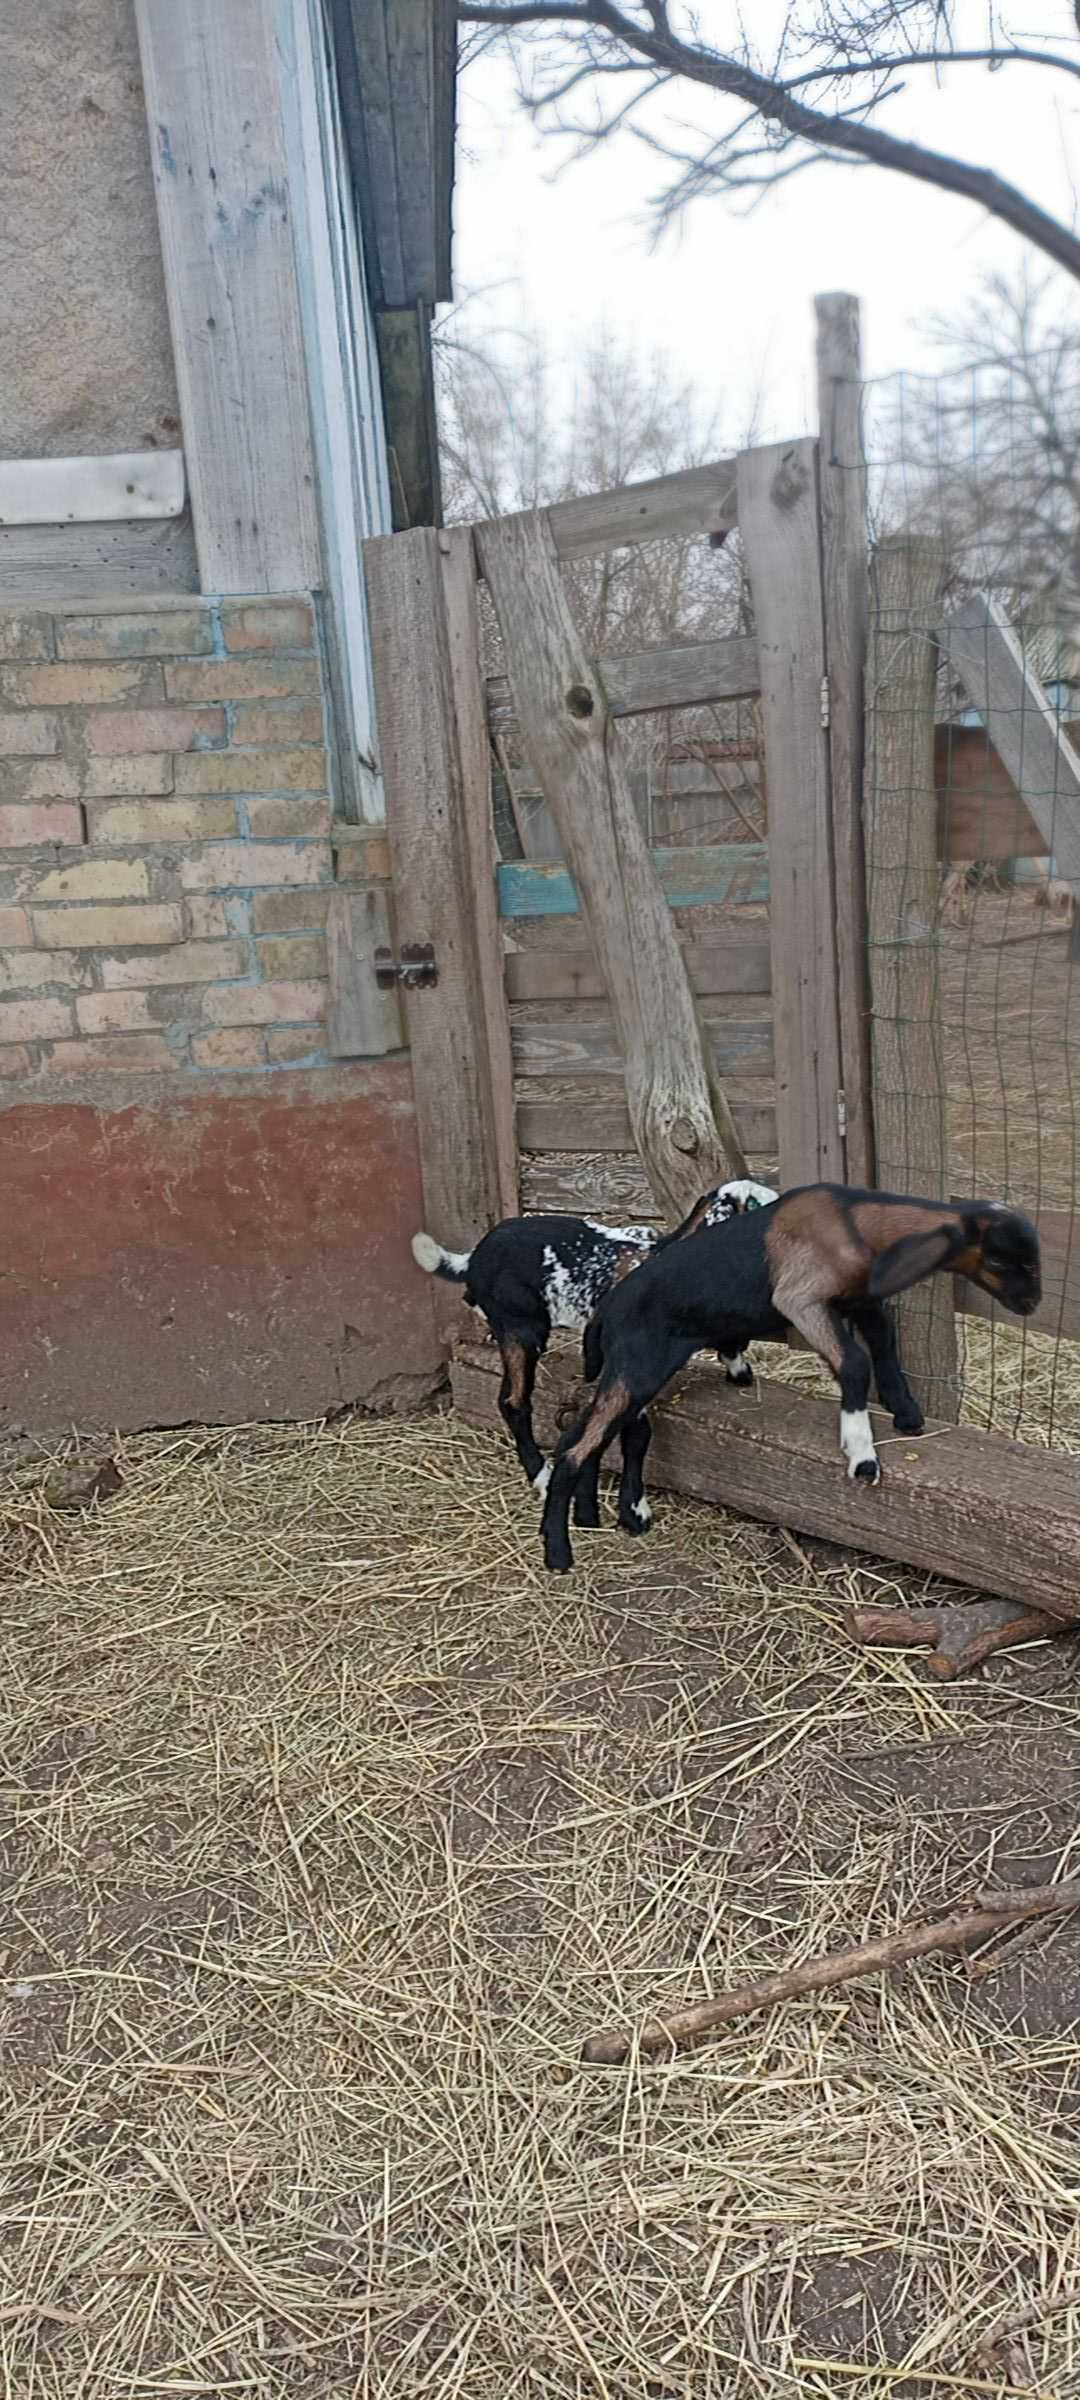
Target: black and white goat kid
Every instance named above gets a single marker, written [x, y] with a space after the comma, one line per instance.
[822, 1259]
[530, 1275]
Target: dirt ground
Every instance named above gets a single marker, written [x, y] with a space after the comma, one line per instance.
[330, 1826]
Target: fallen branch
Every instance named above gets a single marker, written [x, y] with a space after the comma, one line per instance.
[971, 1922]
[959, 1639]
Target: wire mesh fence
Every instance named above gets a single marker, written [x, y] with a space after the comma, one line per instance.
[972, 804]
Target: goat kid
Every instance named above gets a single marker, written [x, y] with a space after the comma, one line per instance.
[822, 1259]
[531, 1274]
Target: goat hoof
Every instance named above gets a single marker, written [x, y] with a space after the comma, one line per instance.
[637, 1518]
[865, 1470]
[587, 1516]
[742, 1378]
[909, 1420]
[559, 1562]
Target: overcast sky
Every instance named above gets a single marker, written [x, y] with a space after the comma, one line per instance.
[729, 296]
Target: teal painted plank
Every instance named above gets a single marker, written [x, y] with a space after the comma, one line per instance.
[725, 871]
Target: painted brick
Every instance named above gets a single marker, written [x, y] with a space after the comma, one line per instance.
[32, 826]
[117, 1054]
[295, 955]
[237, 866]
[78, 687]
[207, 919]
[28, 734]
[96, 879]
[300, 817]
[233, 1049]
[162, 820]
[115, 1012]
[141, 775]
[34, 1020]
[243, 679]
[25, 637]
[14, 1064]
[266, 1004]
[171, 633]
[188, 962]
[16, 932]
[28, 970]
[289, 912]
[252, 771]
[268, 625]
[154, 729]
[266, 724]
[106, 928]
[37, 779]
[289, 1045]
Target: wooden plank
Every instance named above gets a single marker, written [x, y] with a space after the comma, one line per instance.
[845, 593]
[92, 491]
[778, 518]
[613, 1188]
[740, 1046]
[433, 886]
[458, 570]
[735, 872]
[362, 1021]
[713, 968]
[677, 675]
[1059, 1309]
[605, 1125]
[694, 501]
[985, 1512]
[408, 398]
[682, 1124]
[213, 104]
[903, 887]
[82, 563]
[982, 651]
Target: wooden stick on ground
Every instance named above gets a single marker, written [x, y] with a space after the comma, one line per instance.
[958, 1638]
[972, 1921]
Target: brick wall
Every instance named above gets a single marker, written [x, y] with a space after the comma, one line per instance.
[165, 843]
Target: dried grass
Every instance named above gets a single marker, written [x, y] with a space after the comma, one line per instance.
[331, 1826]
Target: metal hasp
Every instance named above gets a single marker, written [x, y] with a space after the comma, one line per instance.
[415, 968]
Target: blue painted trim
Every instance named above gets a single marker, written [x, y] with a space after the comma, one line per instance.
[688, 879]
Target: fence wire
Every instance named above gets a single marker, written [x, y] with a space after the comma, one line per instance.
[973, 835]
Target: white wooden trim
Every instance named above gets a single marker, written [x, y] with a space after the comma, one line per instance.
[92, 491]
[213, 97]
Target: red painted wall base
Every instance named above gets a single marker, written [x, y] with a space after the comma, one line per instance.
[237, 1252]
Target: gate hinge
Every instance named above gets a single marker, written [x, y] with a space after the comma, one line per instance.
[841, 1114]
[824, 703]
[415, 968]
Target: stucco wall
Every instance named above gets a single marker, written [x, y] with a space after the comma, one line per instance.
[88, 361]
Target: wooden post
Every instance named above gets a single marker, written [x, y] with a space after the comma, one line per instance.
[844, 578]
[681, 1120]
[421, 702]
[778, 520]
[904, 890]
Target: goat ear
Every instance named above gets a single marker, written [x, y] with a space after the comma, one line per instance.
[907, 1262]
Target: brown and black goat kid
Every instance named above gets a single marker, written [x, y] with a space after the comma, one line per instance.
[823, 1259]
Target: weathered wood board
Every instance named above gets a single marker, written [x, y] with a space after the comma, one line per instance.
[731, 872]
[713, 968]
[974, 1508]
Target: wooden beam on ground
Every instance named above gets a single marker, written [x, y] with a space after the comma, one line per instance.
[982, 651]
[903, 902]
[732, 872]
[713, 967]
[778, 521]
[844, 580]
[976, 1508]
[434, 897]
[696, 500]
[213, 104]
[682, 1124]
[676, 675]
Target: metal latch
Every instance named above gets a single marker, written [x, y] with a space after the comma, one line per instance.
[415, 968]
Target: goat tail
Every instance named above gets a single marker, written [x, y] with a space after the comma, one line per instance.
[451, 1265]
[592, 1349]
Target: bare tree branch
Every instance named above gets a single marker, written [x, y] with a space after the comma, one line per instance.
[853, 37]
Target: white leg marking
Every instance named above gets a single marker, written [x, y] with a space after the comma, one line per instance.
[857, 1444]
[542, 1480]
[643, 1512]
[738, 1369]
